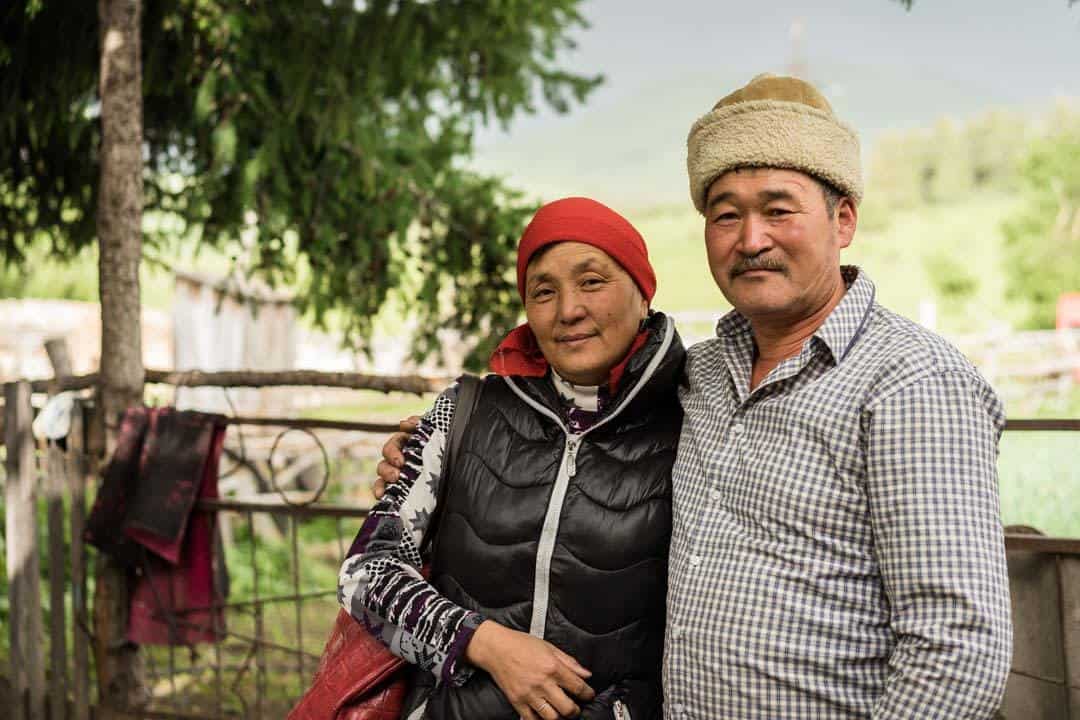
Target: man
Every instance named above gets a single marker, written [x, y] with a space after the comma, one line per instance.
[836, 548]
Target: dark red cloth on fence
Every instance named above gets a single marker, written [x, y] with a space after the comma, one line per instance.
[144, 515]
[105, 524]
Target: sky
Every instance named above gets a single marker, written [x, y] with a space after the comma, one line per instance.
[881, 67]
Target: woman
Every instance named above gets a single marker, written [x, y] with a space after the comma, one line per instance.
[547, 593]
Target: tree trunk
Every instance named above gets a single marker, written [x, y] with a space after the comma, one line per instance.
[119, 224]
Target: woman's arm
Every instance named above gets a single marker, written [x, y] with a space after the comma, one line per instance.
[381, 585]
[380, 582]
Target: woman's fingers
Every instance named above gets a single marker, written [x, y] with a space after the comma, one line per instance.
[559, 703]
[571, 663]
[529, 671]
[391, 450]
[524, 711]
[378, 488]
[548, 711]
[389, 467]
[572, 682]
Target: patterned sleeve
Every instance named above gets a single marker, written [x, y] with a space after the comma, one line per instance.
[933, 498]
[380, 582]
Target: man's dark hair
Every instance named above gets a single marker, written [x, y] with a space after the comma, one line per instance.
[833, 195]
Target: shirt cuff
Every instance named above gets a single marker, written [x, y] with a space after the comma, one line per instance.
[456, 670]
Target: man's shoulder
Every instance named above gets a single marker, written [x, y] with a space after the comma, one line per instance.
[706, 355]
[900, 351]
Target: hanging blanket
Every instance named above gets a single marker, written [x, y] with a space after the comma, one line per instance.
[144, 516]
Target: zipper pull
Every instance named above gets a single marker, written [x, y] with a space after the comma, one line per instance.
[571, 457]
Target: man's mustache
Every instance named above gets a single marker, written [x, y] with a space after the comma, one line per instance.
[757, 262]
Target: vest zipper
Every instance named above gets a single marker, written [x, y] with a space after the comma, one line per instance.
[572, 445]
[567, 470]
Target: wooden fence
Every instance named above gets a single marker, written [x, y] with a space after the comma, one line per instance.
[1044, 575]
[60, 683]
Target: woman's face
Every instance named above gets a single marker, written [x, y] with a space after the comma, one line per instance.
[583, 308]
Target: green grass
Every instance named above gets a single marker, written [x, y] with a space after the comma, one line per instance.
[374, 406]
[1040, 481]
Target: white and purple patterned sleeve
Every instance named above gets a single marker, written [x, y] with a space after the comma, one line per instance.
[380, 582]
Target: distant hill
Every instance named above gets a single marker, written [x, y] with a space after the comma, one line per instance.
[628, 147]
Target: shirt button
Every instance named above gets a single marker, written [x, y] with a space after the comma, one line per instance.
[680, 632]
[737, 429]
[695, 560]
[714, 494]
[678, 708]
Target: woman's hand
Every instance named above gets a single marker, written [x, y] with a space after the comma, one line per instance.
[393, 459]
[537, 678]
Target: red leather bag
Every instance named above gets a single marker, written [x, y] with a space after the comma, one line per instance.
[357, 678]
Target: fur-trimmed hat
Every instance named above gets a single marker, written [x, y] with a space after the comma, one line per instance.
[780, 122]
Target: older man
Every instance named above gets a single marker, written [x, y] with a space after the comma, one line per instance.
[837, 548]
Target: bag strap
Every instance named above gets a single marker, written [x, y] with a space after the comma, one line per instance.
[467, 396]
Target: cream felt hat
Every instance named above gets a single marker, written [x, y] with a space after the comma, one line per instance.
[780, 122]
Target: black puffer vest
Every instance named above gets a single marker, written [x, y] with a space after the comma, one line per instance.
[563, 536]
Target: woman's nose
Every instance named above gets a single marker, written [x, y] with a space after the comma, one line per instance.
[571, 307]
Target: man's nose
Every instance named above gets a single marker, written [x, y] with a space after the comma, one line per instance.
[753, 236]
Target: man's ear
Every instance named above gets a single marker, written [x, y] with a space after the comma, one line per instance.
[847, 219]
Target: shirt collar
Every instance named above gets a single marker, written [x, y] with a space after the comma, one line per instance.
[839, 331]
[586, 397]
[847, 320]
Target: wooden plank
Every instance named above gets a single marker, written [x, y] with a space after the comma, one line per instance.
[55, 489]
[415, 384]
[315, 424]
[1027, 698]
[78, 468]
[1070, 601]
[1043, 545]
[1033, 588]
[315, 509]
[27, 669]
[54, 493]
[1044, 425]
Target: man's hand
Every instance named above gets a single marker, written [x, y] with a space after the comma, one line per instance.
[537, 678]
[392, 462]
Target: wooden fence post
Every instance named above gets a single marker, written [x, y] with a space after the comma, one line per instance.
[27, 670]
[78, 471]
[55, 489]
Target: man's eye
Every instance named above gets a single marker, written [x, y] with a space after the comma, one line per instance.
[723, 218]
[592, 282]
[777, 212]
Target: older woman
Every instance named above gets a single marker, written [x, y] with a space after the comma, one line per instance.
[547, 593]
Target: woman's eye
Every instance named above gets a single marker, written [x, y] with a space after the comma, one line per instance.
[592, 282]
[542, 293]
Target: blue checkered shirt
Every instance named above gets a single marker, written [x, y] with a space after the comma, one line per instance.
[837, 546]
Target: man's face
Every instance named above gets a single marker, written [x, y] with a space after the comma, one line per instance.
[773, 246]
[583, 308]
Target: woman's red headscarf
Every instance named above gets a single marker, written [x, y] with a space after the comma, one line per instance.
[586, 221]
